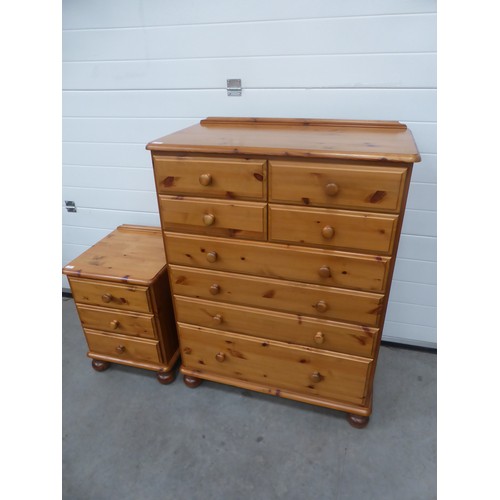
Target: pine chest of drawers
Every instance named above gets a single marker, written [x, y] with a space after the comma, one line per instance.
[281, 237]
[121, 291]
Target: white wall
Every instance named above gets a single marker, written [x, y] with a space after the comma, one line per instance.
[134, 70]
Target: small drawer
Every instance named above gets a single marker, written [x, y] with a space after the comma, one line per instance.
[310, 300]
[300, 369]
[125, 297]
[116, 321]
[120, 347]
[238, 219]
[332, 228]
[293, 328]
[337, 185]
[211, 177]
[308, 265]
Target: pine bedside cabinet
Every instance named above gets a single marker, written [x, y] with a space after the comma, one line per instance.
[122, 295]
[281, 237]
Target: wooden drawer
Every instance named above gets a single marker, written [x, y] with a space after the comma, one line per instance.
[211, 177]
[109, 320]
[310, 300]
[325, 267]
[337, 185]
[238, 219]
[126, 297]
[122, 347]
[300, 369]
[332, 228]
[302, 330]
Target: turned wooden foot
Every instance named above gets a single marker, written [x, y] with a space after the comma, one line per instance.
[357, 421]
[165, 377]
[192, 382]
[100, 366]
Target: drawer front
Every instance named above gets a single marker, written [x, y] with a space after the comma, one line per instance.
[209, 177]
[301, 299]
[122, 347]
[299, 369]
[239, 219]
[115, 321]
[126, 297]
[301, 330]
[332, 228]
[324, 267]
[328, 185]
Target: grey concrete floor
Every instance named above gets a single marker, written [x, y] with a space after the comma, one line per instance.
[127, 437]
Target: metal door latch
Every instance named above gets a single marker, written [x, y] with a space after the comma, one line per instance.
[234, 87]
[70, 206]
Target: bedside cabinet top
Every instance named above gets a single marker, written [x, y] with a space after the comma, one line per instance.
[130, 254]
[389, 141]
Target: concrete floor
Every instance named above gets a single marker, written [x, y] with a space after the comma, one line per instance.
[127, 437]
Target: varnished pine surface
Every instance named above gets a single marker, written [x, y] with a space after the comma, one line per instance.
[339, 139]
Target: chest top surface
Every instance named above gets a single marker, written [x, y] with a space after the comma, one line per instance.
[389, 141]
[130, 254]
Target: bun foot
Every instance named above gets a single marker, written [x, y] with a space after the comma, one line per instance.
[192, 382]
[100, 366]
[165, 378]
[357, 421]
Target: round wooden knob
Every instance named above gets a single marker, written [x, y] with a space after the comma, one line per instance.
[319, 338]
[316, 377]
[327, 232]
[321, 306]
[220, 357]
[331, 189]
[107, 297]
[214, 289]
[205, 179]
[208, 219]
[217, 319]
[120, 349]
[324, 272]
[114, 324]
[212, 257]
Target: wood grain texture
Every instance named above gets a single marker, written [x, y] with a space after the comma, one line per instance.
[275, 364]
[298, 298]
[350, 270]
[293, 328]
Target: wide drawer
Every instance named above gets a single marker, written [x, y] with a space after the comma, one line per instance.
[332, 228]
[122, 347]
[234, 219]
[302, 330]
[337, 185]
[299, 369]
[311, 300]
[110, 320]
[324, 267]
[128, 297]
[211, 177]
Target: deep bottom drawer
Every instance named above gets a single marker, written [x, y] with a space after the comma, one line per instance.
[121, 347]
[299, 369]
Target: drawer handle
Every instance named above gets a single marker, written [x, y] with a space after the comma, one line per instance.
[321, 306]
[212, 257]
[319, 338]
[327, 232]
[120, 349]
[114, 324]
[208, 219]
[220, 357]
[107, 297]
[331, 189]
[217, 319]
[214, 289]
[324, 272]
[205, 179]
[316, 377]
